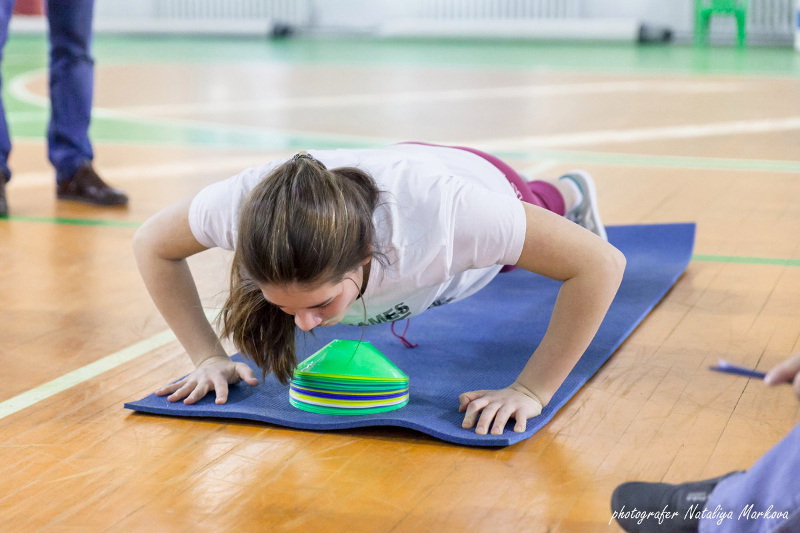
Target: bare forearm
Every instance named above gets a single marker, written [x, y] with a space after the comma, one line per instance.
[172, 288]
[581, 305]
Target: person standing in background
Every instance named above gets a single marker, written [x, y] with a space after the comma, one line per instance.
[71, 70]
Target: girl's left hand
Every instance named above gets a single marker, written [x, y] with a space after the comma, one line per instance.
[515, 401]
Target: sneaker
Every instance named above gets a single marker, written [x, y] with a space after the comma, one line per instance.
[3, 201]
[86, 186]
[671, 508]
[586, 213]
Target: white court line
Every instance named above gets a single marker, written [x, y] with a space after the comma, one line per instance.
[18, 87]
[92, 370]
[450, 95]
[226, 166]
[615, 136]
[689, 131]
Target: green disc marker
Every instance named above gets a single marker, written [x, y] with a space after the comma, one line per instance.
[350, 359]
[345, 412]
[348, 377]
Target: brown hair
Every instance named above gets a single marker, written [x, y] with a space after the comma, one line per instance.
[302, 224]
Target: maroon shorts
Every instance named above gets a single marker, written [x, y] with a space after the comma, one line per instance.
[537, 192]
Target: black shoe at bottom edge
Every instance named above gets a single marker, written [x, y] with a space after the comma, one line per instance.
[641, 507]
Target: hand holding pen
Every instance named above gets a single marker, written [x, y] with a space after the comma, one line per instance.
[787, 372]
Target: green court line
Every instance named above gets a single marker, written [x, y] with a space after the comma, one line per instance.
[439, 53]
[746, 260]
[62, 221]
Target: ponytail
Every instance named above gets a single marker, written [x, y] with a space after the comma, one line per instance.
[303, 224]
[258, 329]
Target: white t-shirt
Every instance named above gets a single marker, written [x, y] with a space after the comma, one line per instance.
[448, 220]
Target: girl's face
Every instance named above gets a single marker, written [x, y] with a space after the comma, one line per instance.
[323, 305]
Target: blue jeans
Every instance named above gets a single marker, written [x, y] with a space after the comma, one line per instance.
[71, 85]
[771, 486]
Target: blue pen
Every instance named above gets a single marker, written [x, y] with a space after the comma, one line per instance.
[725, 366]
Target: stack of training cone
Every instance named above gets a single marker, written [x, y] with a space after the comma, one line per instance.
[348, 378]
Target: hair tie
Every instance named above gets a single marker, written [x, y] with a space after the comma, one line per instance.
[302, 154]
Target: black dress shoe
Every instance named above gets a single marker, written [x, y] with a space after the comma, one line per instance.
[86, 186]
[3, 201]
[660, 507]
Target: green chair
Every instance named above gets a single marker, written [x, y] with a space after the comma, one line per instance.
[705, 9]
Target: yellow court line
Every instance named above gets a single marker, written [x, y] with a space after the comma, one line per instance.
[85, 373]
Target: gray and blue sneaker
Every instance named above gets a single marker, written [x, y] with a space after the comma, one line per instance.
[586, 214]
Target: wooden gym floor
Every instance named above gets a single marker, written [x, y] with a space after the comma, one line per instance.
[672, 134]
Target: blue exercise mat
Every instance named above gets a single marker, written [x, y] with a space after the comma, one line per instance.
[481, 342]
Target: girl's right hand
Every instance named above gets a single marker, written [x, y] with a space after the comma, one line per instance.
[215, 373]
